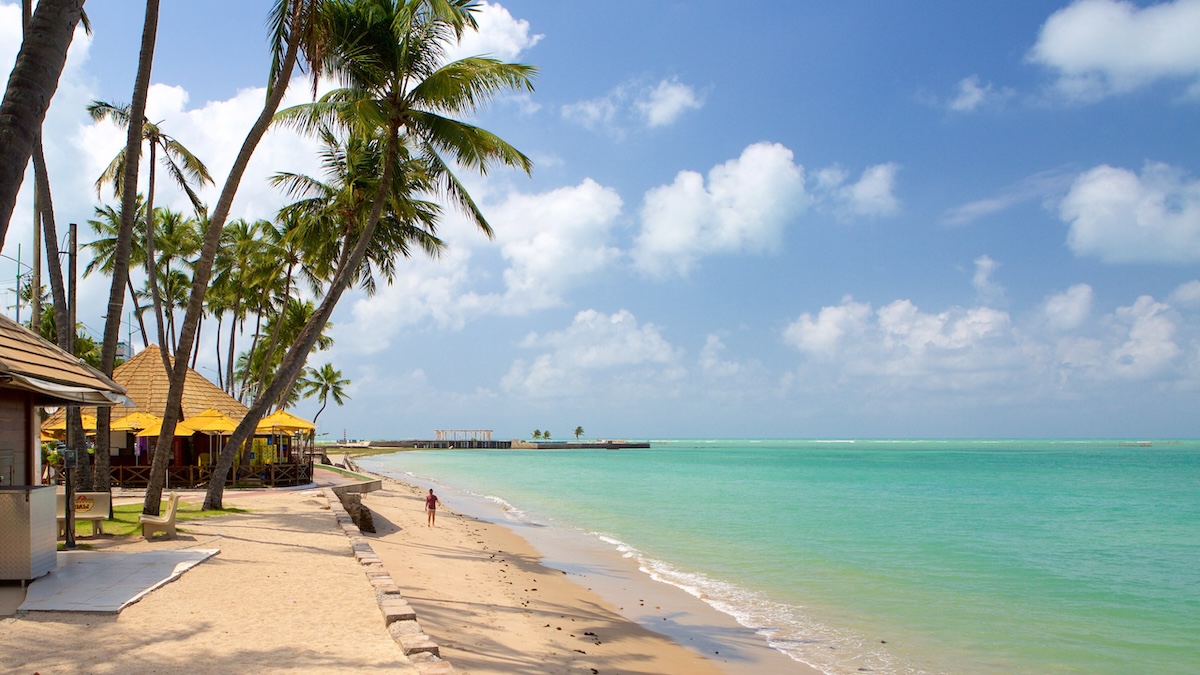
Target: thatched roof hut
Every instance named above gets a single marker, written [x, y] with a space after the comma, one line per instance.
[147, 383]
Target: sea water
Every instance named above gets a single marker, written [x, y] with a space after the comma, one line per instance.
[894, 556]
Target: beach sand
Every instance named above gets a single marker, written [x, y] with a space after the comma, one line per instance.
[286, 594]
[482, 593]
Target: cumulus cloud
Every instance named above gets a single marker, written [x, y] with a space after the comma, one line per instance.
[1100, 48]
[499, 35]
[971, 95]
[900, 347]
[873, 195]
[990, 292]
[547, 243]
[1068, 310]
[634, 103]
[665, 103]
[594, 342]
[1187, 294]
[743, 205]
[1119, 216]
[553, 241]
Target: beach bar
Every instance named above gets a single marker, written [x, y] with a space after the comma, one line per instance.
[35, 373]
[273, 457]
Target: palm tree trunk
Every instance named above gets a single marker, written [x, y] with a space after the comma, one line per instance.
[152, 264]
[296, 356]
[137, 311]
[124, 244]
[203, 269]
[31, 86]
[279, 318]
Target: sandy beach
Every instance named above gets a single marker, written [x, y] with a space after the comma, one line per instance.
[285, 593]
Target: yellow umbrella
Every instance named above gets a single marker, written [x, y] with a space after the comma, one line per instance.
[212, 421]
[89, 424]
[282, 421]
[154, 428]
[136, 421]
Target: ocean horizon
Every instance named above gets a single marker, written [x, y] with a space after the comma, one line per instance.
[895, 556]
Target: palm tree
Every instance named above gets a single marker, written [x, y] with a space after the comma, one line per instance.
[106, 225]
[324, 383]
[578, 432]
[391, 55]
[295, 31]
[31, 86]
[537, 433]
[183, 167]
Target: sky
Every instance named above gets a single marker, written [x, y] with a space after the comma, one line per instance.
[824, 219]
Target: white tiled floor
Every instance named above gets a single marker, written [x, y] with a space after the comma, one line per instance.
[99, 581]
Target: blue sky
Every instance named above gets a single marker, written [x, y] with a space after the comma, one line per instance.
[819, 219]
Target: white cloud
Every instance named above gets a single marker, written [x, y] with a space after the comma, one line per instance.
[899, 347]
[743, 206]
[1100, 48]
[1068, 310]
[1041, 185]
[550, 243]
[989, 291]
[1149, 347]
[594, 342]
[554, 241]
[666, 102]
[1118, 216]
[499, 35]
[832, 328]
[873, 195]
[1187, 294]
[711, 363]
[593, 114]
[634, 103]
[972, 95]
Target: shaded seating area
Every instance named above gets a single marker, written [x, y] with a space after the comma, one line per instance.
[273, 457]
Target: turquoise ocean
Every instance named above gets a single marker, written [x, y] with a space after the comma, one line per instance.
[907, 556]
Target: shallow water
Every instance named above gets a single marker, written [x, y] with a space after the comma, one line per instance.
[898, 556]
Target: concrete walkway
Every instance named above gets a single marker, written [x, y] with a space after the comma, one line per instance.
[107, 581]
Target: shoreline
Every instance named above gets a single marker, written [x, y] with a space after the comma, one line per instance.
[591, 610]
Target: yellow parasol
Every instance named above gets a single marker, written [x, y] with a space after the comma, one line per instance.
[211, 421]
[89, 424]
[282, 421]
[136, 421]
[153, 429]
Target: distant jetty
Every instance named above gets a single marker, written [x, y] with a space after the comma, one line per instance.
[488, 444]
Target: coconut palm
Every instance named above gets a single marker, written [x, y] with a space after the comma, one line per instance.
[399, 93]
[31, 86]
[324, 383]
[106, 225]
[578, 432]
[182, 166]
[296, 34]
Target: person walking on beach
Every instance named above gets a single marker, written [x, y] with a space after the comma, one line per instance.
[431, 502]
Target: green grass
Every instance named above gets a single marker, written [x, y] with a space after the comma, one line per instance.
[125, 518]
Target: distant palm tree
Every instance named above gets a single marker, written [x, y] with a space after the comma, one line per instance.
[578, 432]
[324, 383]
[184, 169]
[537, 433]
[546, 435]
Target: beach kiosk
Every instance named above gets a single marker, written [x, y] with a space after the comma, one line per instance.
[35, 373]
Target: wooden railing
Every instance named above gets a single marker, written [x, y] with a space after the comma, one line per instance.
[271, 475]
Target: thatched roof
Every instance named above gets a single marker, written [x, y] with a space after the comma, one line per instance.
[55, 377]
[147, 383]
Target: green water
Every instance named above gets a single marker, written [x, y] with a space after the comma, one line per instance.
[898, 556]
